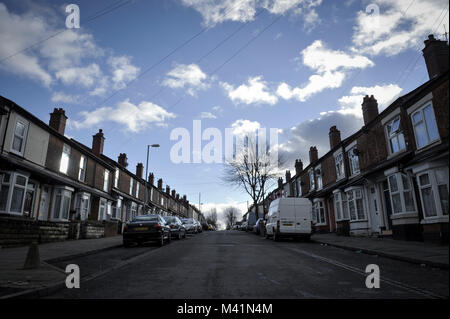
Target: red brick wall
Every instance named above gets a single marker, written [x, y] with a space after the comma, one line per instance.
[328, 170]
[441, 109]
[372, 146]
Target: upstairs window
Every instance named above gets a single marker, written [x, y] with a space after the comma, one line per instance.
[339, 162]
[395, 136]
[299, 187]
[353, 160]
[19, 136]
[106, 180]
[137, 189]
[425, 128]
[116, 178]
[318, 171]
[131, 185]
[312, 181]
[82, 169]
[65, 158]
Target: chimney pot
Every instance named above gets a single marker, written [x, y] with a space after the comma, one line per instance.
[280, 182]
[123, 160]
[435, 54]
[58, 120]
[313, 154]
[139, 170]
[160, 182]
[335, 137]
[174, 193]
[98, 141]
[288, 176]
[369, 109]
[298, 166]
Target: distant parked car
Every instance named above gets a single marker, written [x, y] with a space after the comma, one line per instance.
[199, 226]
[256, 229]
[190, 225]
[146, 228]
[177, 229]
[244, 226]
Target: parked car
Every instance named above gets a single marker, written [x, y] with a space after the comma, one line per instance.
[289, 217]
[177, 229]
[244, 226]
[190, 225]
[146, 228]
[199, 226]
[256, 229]
[205, 226]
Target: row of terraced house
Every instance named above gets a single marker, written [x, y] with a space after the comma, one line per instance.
[392, 176]
[54, 188]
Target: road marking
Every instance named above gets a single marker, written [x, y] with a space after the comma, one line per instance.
[363, 273]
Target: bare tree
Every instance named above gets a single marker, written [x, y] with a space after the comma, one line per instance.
[211, 218]
[231, 214]
[251, 169]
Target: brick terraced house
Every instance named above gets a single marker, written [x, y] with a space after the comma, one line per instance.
[390, 177]
[54, 188]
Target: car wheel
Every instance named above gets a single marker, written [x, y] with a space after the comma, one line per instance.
[179, 236]
[161, 241]
[275, 236]
[184, 235]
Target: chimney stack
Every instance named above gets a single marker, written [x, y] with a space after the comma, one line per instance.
[184, 198]
[160, 182]
[123, 160]
[174, 193]
[335, 137]
[280, 183]
[369, 109]
[167, 189]
[298, 166]
[151, 179]
[435, 54]
[178, 197]
[313, 154]
[288, 176]
[58, 120]
[98, 141]
[139, 170]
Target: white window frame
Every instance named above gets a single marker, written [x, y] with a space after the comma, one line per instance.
[102, 205]
[434, 185]
[131, 185]
[340, 202]
[116, 177]
[339, 165]
[82, 169]
[26, 124]
[65, 155]
[319, 212]
[106, 180]
[353, 200]
[299, 187]
[116, 209]
[401, 190]
[396, 135]
[137, 189]
[312, 180]
[352, 159]
[318, 174]
[12, 185]
[78, 207]
[427, 130]
[65, 193]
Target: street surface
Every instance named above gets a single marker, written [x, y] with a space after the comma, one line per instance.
[235, 264]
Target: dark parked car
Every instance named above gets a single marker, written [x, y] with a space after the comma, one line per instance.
[177, 229]
[190, 225]
[146, 228]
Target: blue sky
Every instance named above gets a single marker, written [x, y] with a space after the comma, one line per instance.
[302, 66]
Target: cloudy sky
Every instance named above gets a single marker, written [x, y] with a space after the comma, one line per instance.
[140, 69]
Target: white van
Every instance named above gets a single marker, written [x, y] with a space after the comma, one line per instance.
[289, 217]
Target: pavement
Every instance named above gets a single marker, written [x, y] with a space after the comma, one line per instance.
[433, 255]
[15, 279]
[237, 265]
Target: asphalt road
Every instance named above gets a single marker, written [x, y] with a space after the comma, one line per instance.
[234, 264]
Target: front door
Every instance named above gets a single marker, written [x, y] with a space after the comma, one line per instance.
[44, 205]
[374, 209]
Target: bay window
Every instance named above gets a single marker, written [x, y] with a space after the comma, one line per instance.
[424, 124]
[319, 213]
[12, 193]
[433, 186]
[102, 209]
[395, 136]
[116, 209]
[356, 204]
[401, 192]
[65, 158]
[19, 136]
[61, 204]
[82, 205]
[340, 206]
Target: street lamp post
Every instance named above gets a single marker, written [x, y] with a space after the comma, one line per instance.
[146, 176]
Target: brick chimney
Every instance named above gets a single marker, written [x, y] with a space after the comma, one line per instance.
[58, 120]
[280, 182]
[298, 166]
[313, 154]
[335, 137]
[174, 193]
[185, 198]
[435, 54]
[139, 170]
[288, 176]
[178, 197]
[369, 109]
[123, 160]
[160, 182]
[98, 141]
[167, 189]
[151, 178]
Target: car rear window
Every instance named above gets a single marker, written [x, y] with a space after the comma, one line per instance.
[146, 219]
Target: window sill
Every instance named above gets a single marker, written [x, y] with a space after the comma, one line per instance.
[321, 224]
[404, 215]
[428, 146]
[359, 221]
[435, 220]
[392, 155]
[342, 220]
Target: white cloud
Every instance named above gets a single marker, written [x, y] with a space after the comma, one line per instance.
[123, 71]
[134, 118]
[255, 92]
[331, 67]
[61, 97]
[400, 25]
[207, 115]
[189, 76]
[218, 11]
[84, 76]
[245, 127]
